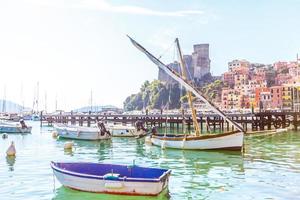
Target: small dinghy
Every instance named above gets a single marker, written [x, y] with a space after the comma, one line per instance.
[10, 127]
[82, 133]
[109, 178]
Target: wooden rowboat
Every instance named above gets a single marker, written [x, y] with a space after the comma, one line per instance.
[109, 178]
[227, 141]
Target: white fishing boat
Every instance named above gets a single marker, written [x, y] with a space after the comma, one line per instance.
[119, 130]
[10, 127]
[231, 140]
[82, 133]
[110, 178]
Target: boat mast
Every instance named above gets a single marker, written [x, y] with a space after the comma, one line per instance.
[4, 100]
[184, 76]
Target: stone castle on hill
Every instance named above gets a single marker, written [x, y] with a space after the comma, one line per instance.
[198, 65]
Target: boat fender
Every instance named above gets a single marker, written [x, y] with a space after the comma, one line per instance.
[78, 133]
[183, 142]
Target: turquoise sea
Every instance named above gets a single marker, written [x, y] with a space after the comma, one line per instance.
[268, 169]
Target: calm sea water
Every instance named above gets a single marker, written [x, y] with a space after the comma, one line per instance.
[269, 168]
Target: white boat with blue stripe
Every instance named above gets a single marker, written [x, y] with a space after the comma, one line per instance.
[110, 178]
[11, 127]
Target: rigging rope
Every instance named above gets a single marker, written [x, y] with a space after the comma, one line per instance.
[165, 51]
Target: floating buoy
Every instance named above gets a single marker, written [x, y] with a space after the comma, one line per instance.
[11, 151]
[163, 145]
[68, 145]
[54, 134]
[4, 136]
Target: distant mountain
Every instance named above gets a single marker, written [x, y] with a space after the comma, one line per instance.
[11, 107]
[97, 108]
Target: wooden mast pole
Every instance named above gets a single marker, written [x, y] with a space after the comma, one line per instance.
[184, 76]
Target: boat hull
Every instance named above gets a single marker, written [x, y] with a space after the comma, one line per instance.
[123, 132]
[81, 133]
[99, 184]
[14, 129]
[228, 141]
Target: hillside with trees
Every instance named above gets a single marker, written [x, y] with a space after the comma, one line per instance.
[157, 95]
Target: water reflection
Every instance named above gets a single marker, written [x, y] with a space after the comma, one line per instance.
[69, 152]
[10, 160]
[199, 171]
[63, 193]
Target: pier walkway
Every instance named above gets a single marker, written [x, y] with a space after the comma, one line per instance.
[250, 122]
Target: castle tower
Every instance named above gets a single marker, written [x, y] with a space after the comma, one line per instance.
[201, 61]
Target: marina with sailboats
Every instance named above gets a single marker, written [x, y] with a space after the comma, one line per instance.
[160, 150]
[149, 100]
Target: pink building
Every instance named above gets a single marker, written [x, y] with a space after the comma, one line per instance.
[282, 79]
[276, 96]
[280, 66]
[241, 70]
[230, 98]
[228, 78]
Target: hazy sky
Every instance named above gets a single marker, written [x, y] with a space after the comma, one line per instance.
[74, 46]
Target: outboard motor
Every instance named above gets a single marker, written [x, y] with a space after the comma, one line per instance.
[140, 126]
[23, 125]
[102, 128]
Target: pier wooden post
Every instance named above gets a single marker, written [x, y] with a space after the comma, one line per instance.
[283, 121]
[295, 121]
[189, 124]
[214, 124]
[207, 125]
[269, 122]
[201, 124]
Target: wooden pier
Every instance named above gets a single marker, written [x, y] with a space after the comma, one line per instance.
[250, 122]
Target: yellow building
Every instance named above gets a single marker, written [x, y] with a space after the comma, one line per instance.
[287, 103]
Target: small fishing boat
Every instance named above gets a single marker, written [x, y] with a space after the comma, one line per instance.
[109, 178]
[231, 140]
[10, 127]
[82, 133]
[128, 131]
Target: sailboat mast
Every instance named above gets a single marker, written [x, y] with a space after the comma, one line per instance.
[46, 101]
[4, 100]
[184, 76]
